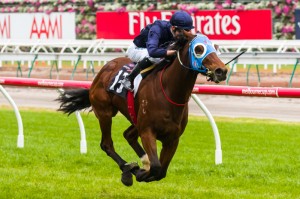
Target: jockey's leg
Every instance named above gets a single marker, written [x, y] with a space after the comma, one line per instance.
[127, 81]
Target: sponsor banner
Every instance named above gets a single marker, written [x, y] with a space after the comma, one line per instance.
[32, 26]
[297, 23]
[272, 92]
[222, 24]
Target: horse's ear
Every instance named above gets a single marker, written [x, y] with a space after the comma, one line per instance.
[216, 46]
[217, 49]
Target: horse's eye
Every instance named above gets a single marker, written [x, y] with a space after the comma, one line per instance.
[199, 50]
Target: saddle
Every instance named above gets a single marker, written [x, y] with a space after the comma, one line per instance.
[117, 88]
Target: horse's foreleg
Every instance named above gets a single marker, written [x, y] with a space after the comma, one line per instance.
[167, 152]
[131, 135]
[149, 143]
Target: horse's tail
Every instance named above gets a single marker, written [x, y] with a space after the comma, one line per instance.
[74, 100]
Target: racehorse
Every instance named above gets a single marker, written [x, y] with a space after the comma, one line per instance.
[161, 105]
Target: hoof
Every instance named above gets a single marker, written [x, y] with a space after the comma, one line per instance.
[145, 176]
[127, 178]
[127, 173]
[140, 175]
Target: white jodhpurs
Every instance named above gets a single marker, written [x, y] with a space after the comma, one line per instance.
[136, 54]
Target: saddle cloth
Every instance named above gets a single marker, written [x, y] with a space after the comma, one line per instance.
[115, 85]
[117, 88]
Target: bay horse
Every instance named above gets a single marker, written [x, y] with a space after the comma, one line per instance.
[161, 105]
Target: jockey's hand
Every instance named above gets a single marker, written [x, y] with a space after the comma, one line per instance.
[171, 53]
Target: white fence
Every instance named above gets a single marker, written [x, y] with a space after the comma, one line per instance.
[101, 45]
[274, 52]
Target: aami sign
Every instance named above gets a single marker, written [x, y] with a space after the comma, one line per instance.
[29, 26]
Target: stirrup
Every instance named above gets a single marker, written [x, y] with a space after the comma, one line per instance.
[127, 84]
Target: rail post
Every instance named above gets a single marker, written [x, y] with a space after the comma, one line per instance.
[293, 72]
[32, 64]
[19, 69]
[76, 64]
[257, 72]
[218, 151]
[90, 69]
[20, 141]
[56, 67]
[83, 145]
[230, 72]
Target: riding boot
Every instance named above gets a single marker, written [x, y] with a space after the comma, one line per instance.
[127, 81]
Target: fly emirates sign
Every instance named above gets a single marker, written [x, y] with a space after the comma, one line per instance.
[225, 24]
[33, 26]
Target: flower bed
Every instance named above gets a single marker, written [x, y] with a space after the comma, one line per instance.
[283, 11]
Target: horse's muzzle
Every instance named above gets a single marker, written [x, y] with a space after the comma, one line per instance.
[220, 75]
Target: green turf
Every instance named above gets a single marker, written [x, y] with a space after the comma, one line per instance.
[260, 160]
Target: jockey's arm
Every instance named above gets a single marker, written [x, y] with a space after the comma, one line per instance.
[154, 47]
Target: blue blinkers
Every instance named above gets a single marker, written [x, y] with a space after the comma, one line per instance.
[197, 59]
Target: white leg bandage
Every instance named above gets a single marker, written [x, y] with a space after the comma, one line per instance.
[146, 162]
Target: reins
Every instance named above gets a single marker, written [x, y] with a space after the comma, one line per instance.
[206, 72]
[235, 57]
[184, 66]
[162, 88]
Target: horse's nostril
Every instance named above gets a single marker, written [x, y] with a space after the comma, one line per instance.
[219, 72]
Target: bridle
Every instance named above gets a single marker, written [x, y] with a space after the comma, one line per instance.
[208, 73]
[200, 67]
[195, 59]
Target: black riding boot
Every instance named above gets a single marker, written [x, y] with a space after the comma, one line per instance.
[141, 65]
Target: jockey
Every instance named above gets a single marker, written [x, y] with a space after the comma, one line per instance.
[152, 42]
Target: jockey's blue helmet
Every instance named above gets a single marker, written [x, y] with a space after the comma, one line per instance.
[182, 19]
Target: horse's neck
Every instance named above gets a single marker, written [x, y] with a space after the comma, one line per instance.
[178, 82]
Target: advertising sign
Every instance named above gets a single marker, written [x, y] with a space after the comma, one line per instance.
[30, 26]
[216, 24]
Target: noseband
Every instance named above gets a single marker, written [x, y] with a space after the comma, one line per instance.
[197, 59]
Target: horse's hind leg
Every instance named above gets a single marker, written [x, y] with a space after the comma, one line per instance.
[106, 140]
[105, 121]
[131, 135]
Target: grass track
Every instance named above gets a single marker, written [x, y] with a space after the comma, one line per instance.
[260, 160]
